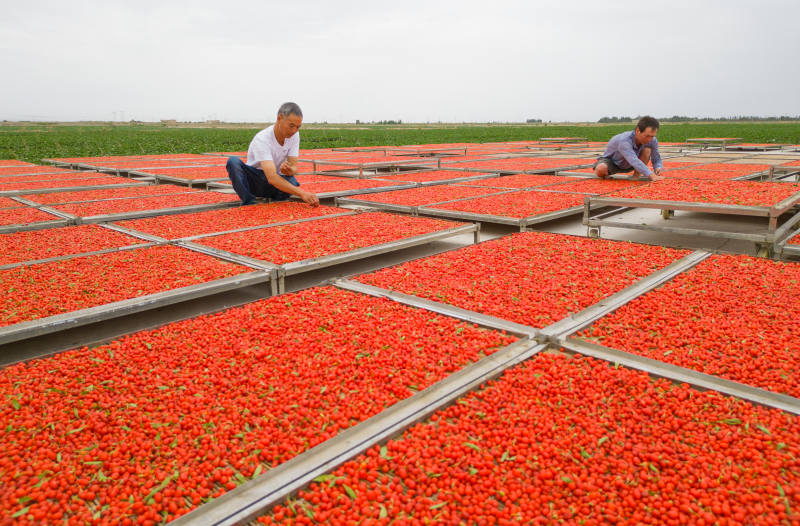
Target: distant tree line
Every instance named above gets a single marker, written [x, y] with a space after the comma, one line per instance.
[681, 118]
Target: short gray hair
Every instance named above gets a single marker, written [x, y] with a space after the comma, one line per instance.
[290, 108]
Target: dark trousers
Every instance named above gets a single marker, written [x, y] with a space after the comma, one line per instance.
[249, 182]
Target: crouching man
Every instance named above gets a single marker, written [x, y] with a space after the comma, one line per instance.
[272, 162]
[631, 152]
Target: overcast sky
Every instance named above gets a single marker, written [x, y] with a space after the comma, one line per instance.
[416, 60]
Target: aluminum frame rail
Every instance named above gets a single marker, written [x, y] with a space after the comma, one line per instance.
[358, 191]
[254, 498]
[765, 240]
[407, 209]
[563, 140]
[784, 247]
[121, 216]
[61, 322]
[123, 248]
[786, 170]
[126, 172]
[11, 193]
[422, 162]
[520, 222]
[36, 174]
[280, 272]
[427, 152]
[191, 183]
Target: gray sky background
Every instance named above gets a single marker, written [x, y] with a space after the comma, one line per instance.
[416, 60]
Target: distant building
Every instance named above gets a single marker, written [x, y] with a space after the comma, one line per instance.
[215, 121]
[169, 121]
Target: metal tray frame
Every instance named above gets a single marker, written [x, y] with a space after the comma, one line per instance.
[74, 172]
[307, 265]
[121, 216]
[520, 222]
[255, 497]
[403, 209]
[61, 322]
[191, 183]
[764, 240]
[10, 193]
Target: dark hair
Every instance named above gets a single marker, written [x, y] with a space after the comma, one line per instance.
[647, 122]
[290, 108]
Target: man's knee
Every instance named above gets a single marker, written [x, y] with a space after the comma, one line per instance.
[233, 161]
[645, 153]
[601, 170]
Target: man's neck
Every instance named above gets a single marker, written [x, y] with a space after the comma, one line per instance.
[278, 136]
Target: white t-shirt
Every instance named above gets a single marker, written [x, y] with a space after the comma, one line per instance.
[265, 147]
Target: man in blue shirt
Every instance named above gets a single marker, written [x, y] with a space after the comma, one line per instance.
[631, 152]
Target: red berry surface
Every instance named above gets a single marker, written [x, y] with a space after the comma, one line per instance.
[516, 204]
[697, 173]
[745, 193]
[594, 185]
[572, 441]
[326, 236]
[531, 278]
[522, 181]
[727, 317]
[226, 219]
[205, 172]
[109, 193]
[148, 427]
[423, 177]
[146, 203]
[55, 242]
[7, 202]
[90, 179]
[12, 162]
[342, 185]
[58, 287]
[426, 195]
[749, 168]
[45, 177]
[16, 170]
[23, 216]
[522, 163]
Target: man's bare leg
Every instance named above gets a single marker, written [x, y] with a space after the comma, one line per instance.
[644, 156]
[601, 171]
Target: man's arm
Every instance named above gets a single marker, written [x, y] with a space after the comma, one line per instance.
[289, 167]
[627, 152]
[283, 185]
[655, 158]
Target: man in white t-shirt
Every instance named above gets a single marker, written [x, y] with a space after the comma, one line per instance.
[272, 162]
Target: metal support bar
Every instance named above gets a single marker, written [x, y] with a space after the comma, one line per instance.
[561, 329]
[442, 308]
[50, 324]
[682, 375]
[252, 499]
[78, 255]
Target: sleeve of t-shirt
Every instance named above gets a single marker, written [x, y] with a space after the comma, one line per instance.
[294, 151]
[655, 156]
[261, 151]
[627, 152]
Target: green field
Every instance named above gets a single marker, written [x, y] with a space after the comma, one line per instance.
[36, 141]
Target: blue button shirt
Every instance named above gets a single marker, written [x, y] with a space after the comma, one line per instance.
[623, 151]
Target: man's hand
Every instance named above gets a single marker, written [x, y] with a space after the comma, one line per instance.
[656, 176]
[658, 171]
[287, 169]
[310, 199]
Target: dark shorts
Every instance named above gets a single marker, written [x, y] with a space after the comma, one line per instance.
[612, 168]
